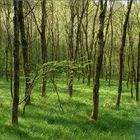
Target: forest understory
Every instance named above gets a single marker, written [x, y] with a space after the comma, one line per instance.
[69, 69]
[45, 120]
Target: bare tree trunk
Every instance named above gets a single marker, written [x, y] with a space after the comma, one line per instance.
[138, 72]
[111, 51]
[99, 59]
[53, 46]
[1, 39]
[16, 64]
[71, 48]
[112, 39]
[132, 72]
[128, 64]
[25, 52]
[43, 45]
[122, 53]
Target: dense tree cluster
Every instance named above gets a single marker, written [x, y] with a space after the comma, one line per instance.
[84, 39]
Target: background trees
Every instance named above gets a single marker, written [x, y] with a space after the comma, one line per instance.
[61, 38]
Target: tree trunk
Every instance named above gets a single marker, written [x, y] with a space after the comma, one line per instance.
[71, 49]
[111, 51]
[122, 53]
[25, 52]
[132, 73]
[16, 65]
[99, 59]
[43, 46]
[138, 72]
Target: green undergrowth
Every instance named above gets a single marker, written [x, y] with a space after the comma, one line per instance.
[45, 120]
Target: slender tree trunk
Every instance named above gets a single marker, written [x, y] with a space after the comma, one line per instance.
[93, 44]
[16, 64]
[99, 59]
[25, 52]
[132, 73]
[122, 53]
[6, 65]
[71, 49]
[1, 70]
[128, 64]
[111, 51]
[53, 46]
[138, 72]
[94, 58]
[43, 46]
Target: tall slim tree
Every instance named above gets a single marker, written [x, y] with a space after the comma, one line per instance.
[71, 46]
[123, 42]
[42, 33]
[16, 64]
[25, 52]
[43, 45]
[138, 72]
[101, 45]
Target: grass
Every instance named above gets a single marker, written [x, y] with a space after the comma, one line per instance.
[44, 120]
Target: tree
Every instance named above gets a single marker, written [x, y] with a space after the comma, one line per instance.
[25, 52]
[7, 14]
[99, 59]
[132, 72]
[138, 71]
[71, 46]
[42, 33]
[123, 41]
[16, 64]
[43, 45]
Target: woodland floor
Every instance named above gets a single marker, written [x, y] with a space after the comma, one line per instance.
[44, 120]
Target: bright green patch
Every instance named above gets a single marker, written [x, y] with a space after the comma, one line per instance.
[44, 120]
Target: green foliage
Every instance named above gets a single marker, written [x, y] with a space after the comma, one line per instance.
[62, 67]
[44, 120]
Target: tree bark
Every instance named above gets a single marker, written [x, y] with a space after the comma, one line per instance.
[138, 72]
[71, 48]
[16, 64]
[25, 52]
[99, 59]
[122, 53]
[43, 46]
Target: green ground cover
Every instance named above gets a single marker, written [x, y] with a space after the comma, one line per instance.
[44, 120]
